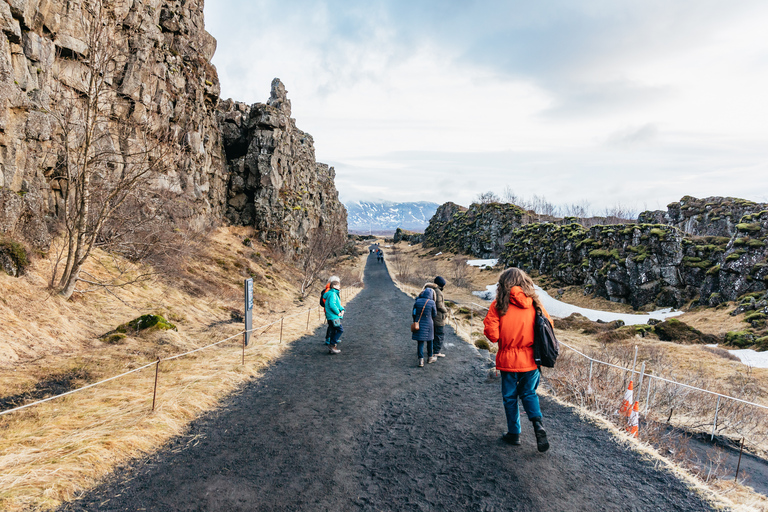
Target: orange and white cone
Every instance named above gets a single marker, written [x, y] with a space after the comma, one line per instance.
[633, 423]
[626, 404]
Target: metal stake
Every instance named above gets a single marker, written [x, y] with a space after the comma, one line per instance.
[741, 450]
[714, 424]
[281, 328]
[589, 382]
[648, 395]
[154, 393]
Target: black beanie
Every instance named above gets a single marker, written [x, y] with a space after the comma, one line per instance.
[440, 281]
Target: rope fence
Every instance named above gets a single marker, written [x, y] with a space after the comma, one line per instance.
[345, 294]
[598, 383]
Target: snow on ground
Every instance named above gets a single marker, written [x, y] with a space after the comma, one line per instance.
[483, 263]
[561, 309]
[752, 358]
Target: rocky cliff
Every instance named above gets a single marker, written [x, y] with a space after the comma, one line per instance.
[163, 78]
[645, 264]
[275, 183]
[481, 230]
[711, 216]
[262, 172]
[709, 250]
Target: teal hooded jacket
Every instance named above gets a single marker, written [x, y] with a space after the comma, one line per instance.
[333, 307]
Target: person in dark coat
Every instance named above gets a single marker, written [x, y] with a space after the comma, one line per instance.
[424, 312]
[442, 317]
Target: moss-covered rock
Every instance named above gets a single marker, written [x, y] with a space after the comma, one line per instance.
[673, 329]
[13, 258]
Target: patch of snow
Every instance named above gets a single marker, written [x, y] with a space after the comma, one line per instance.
[561, 309]
[438, 254]
[483, 263]
[387, 246]
[751, 357]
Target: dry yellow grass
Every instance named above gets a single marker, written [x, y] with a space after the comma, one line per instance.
[51, 452]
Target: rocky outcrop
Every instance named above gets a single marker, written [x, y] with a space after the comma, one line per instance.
[164, 78]
[402, 235]
[711, 216]
[275, 183]
[247, 164]
[645, 264]
[481, 230]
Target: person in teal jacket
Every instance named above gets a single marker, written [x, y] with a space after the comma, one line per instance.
[334, 312]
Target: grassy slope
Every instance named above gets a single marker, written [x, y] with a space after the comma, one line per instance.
[53, 451]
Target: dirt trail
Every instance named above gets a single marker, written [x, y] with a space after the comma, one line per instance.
[367, 430]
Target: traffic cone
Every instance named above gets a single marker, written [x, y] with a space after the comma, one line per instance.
[626, 404]
[633, 423]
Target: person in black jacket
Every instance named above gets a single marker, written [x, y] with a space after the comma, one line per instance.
[424, 312]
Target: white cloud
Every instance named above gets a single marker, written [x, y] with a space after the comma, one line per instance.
[602, 100]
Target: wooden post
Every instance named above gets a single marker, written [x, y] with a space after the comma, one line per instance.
[714, 423]
[281, 328]
[471, 322]
[308, 313]
[244, 349]
[738, 466]
[154, 393]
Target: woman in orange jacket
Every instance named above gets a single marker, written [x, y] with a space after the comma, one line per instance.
[509, 323]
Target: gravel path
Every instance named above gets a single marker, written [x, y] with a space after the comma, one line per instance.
[367, 430]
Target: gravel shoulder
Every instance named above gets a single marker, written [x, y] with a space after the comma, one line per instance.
[368, 430]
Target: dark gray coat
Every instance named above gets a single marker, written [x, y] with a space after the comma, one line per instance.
[427, 323]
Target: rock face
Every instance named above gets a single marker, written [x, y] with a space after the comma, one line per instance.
[481, 230]
[165, 78]
[275, 183]
[645, 264]
[261, 172]
[408, 236]
[711, 216]
[707, 250]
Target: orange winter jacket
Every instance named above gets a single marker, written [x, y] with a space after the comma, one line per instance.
[513, 332]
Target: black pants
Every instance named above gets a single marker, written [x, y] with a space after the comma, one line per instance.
[437, 343]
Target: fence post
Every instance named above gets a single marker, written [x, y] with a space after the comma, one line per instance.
[648, 395]
[640, 383]
[589, 382]
[243, 349]
[308, 313]
[471, 322]
[154, 393]
[282, 318]
[714, 423]
[738, 466]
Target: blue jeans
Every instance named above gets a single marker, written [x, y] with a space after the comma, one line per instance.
[523, 386]
[335, 334]
[420, 349]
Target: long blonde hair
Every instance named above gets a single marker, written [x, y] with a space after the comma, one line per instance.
[514, 277]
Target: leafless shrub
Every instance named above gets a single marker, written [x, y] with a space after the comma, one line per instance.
[460, 272]
[401, 264]
[324, 243]
[487, 198]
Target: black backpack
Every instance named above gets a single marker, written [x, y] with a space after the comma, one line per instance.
[545, 345]
[322, 296]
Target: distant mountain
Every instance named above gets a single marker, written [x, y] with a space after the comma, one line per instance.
[365, 216]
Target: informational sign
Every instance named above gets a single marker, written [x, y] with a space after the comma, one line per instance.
[248, 316]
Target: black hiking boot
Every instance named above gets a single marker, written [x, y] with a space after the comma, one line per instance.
[541, 435]
[513, 439]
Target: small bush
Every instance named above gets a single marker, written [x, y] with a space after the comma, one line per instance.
[483, 344]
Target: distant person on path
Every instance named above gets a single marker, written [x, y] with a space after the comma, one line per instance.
[424, 312]
[440, 319]
[334, 312]
[509, 323]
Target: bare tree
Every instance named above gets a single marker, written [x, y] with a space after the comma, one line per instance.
[324, 242]
[102, 157]
[487, 198]
[401, 263]
[460, 272]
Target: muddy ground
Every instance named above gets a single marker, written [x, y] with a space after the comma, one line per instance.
[368, 430]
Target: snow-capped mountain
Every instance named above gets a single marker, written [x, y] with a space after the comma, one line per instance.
[365, 216]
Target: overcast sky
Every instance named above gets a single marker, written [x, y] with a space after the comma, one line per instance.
[608, 101]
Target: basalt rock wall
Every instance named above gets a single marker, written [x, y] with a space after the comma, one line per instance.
[481, 230]
[275, 182]
[710, 216]
[164, 79]
[647, 264]
[248, 165]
